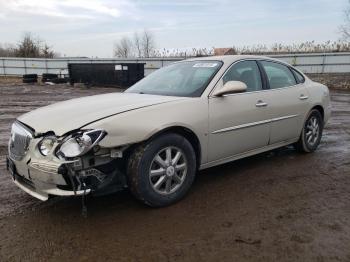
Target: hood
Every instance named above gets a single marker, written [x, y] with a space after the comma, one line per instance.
[66, 116]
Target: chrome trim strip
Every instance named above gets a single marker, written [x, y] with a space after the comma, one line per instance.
[228, 129]
[282, 118]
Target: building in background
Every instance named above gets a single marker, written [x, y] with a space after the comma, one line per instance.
[225, 51]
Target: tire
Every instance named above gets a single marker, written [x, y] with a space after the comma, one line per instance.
[46, 77]
[49, 75]
[27, 76]
[155, 190]
[311, 134]
[30, 80]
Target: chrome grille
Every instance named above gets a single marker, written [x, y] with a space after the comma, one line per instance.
[19, 141]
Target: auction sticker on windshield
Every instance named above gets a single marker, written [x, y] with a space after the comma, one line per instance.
[206, 65]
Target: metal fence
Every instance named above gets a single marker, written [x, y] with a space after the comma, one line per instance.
[318, 63]
[308, 63]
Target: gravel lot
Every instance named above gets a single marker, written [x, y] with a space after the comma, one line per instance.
[280, 205]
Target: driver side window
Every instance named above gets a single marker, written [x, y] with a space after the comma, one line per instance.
[247, 72]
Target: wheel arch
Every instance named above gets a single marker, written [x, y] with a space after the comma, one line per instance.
[186, 133]
[301, 145]
[320, 109]
[317, 107]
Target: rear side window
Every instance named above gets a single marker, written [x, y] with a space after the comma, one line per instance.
[299, 77]
[246, 72]
[278, 75]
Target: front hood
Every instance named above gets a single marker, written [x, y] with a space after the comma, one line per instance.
[73, 114]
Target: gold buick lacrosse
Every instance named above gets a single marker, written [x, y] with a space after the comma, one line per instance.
[155, 136]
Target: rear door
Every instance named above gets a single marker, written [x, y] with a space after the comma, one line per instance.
[287, 101]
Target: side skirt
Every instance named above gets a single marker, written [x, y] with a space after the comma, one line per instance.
[248, 153]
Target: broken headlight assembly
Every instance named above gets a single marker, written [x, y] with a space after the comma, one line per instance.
[80, 143]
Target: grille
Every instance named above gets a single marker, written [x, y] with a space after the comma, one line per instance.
[19, 141]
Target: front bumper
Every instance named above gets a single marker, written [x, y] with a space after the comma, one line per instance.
[41, 176]
[40, 179]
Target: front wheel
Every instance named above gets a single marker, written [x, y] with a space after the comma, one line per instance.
[311, 134]
[162, 171]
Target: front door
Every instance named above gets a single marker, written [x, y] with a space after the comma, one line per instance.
[239, 123]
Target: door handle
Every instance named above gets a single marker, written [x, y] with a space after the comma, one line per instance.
[303, 97]
[260, 103]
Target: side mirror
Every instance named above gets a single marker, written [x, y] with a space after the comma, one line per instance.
[231, 87]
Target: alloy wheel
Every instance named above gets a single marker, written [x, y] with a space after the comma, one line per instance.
[312, 131]
[168, 170]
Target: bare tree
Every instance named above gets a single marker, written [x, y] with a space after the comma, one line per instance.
[47, 52]
[137, 44]
[123, 48]
[345, 28]
[28, 46]
[141, 45]
[148, 44]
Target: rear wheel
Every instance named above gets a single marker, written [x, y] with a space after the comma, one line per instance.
[311, 134]
[162, 171]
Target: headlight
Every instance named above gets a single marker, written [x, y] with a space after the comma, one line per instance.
[80, 143]
[46, 144]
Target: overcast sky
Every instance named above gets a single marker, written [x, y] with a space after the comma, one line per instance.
[90, 27]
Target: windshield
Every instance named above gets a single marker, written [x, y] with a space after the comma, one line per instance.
[179, 79]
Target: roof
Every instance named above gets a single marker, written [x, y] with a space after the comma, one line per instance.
[232, 58]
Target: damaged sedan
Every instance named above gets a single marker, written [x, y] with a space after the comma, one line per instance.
[155, 136]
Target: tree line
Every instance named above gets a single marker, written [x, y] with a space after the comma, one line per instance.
[28, 46]
[304, 47]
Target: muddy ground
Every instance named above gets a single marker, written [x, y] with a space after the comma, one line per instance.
[277, 206]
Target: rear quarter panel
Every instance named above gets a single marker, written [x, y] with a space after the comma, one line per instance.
[319, 96]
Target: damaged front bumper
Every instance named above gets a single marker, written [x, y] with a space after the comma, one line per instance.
[43, 176]
[41, 180]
